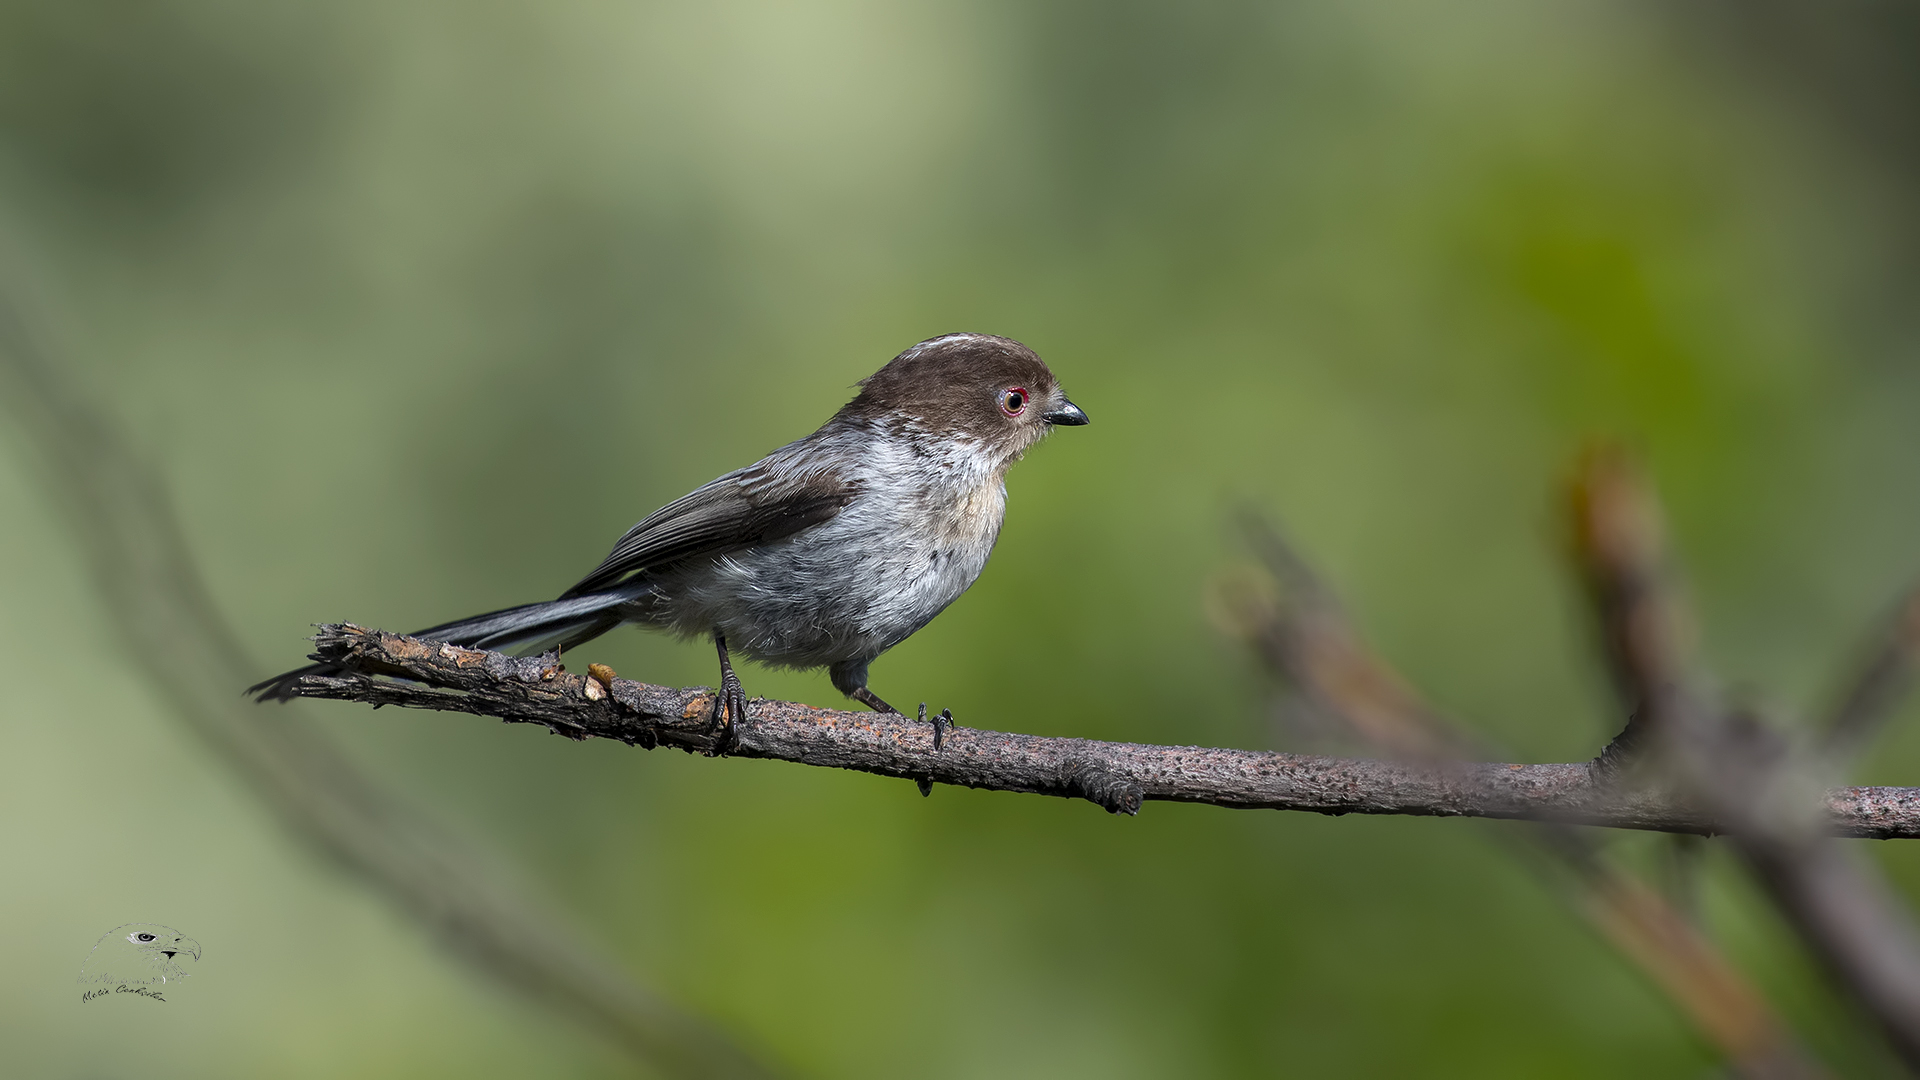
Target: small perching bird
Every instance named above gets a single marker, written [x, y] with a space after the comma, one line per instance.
[137, 954]
[828, 551]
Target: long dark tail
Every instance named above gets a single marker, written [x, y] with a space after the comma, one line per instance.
[550, 624]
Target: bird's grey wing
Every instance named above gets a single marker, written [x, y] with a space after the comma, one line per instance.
[761, 503]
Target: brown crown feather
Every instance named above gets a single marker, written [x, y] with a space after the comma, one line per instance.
[952, 384]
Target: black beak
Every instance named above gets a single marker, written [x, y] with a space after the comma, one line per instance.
[1067, 415]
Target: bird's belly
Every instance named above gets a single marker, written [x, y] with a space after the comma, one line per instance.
[848, 589]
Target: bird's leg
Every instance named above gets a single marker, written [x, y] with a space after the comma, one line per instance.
[870, 699]
[730, 703]
[851, 680]
[941, 722]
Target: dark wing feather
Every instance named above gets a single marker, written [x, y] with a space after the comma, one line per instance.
[738, 510]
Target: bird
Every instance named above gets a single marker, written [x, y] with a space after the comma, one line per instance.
[138, 954]
[825, 553]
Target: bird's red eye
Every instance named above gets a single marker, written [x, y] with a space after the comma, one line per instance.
[1013, 400]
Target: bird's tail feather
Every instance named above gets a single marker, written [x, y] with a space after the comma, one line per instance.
[528, 628]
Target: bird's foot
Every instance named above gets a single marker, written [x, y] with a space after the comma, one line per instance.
[942, 722]
[729, 703]
[729, 710]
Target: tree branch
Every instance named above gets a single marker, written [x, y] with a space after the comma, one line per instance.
[1116, 776]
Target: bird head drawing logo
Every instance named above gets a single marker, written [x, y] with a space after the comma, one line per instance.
[138, 954]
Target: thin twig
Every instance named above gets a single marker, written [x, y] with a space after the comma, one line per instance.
[1116, 776]
[124, 528]
[1880, 685]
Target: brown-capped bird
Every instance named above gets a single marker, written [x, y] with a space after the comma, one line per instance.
[828, 551]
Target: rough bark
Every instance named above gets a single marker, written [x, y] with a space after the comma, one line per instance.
[1116, 776]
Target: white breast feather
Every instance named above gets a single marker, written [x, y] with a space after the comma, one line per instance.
[914, 539]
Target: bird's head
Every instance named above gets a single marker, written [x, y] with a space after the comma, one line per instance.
[990, 390]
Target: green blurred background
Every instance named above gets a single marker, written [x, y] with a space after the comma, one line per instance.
[418, 306]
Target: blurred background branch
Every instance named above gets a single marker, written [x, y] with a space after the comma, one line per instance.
[1874, 695]
[1306, 642]
[120, 519]
[1753, 777]
[1759, 784]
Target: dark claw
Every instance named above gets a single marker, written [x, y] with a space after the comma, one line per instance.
[729, 703]
[941, 723]
[729, 710]
[926, 785]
